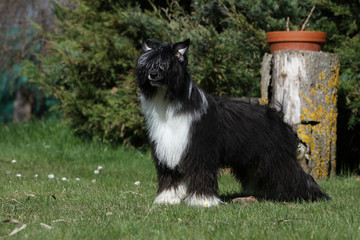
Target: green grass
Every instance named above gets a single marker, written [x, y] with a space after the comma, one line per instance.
[109, 205]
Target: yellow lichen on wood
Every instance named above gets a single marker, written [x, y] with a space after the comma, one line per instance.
[334, 79]
[305, 83]
[303, 134]
[312, 92]
[327, 99]
[263, 101]
[319, 86]
[322, 75]
[318, 115]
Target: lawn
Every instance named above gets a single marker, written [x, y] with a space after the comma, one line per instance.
[56, 186]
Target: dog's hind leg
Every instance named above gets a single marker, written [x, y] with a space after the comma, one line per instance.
[248, 177]
[172, 188]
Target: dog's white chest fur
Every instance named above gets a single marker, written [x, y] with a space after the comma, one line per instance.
[167, 128]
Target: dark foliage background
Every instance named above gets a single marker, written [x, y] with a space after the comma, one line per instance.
[91, 55]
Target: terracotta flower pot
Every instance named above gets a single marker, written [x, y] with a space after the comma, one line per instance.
[296, 40]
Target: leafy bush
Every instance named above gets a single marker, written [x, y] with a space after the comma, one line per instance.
[89, 68]
[350, 79]
[92, 55]
[91, 60]
[223, 59]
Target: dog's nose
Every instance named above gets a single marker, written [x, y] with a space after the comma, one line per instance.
[153, 75]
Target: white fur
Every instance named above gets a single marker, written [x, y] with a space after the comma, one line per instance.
[143, 59]
[171, 196]
[202, 201]
[167, 128]
[183, 50]
[205, 102]
[190, 89]
[146, 48]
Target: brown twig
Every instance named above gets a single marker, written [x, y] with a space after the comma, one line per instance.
[307, 19]
[287, 24]
[291, 220]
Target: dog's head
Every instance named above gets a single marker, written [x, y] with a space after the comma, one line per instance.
[160, 63]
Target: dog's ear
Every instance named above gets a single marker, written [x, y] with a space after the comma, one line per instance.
[146, 45]
[180, 49]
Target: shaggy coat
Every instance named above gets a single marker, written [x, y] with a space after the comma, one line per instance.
[193, 135]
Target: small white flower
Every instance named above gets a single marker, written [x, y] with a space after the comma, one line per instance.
[77, 179]
[13, 161]
[64, 179]
[46, 146]
[108, 213]
[100, 167]
[96, 171]
[206, 204]
[137, 183]
[18, 175]
[51, 176]
[36, 175]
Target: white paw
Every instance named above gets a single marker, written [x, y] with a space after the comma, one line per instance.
[202, 201]
[171, 196]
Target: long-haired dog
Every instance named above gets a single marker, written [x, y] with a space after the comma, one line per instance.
[193, 135]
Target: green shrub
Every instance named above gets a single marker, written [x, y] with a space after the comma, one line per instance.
[90, 69]
[223, 59]
[92, 55]
[350, 79]
[91, 60]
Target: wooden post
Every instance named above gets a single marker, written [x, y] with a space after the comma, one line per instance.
[303, 84]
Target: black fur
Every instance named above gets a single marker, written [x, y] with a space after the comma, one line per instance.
[252, 140]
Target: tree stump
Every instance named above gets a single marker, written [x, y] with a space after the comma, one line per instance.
[303, 85]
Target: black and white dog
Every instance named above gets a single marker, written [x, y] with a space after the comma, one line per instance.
[193, 135]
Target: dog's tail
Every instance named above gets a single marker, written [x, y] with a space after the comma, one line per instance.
[313, 190]
[302, 186]
[295, 184]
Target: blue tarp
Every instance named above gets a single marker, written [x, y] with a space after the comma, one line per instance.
[10, 76]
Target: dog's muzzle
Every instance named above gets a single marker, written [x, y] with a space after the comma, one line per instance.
[155, 78]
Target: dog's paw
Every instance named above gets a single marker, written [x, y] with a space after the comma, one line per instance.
[202, 201]
[171, 196]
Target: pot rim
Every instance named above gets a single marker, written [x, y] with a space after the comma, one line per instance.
[296, 36]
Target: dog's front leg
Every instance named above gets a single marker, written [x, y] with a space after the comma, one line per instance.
[203, 188]
[172, 188]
